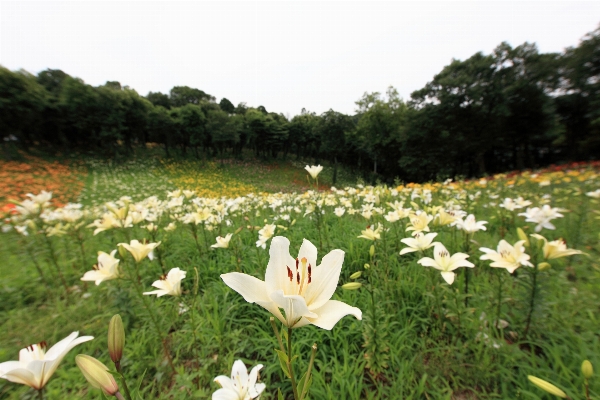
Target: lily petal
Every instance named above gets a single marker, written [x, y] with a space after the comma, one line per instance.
[331, 312]
[448, 277]
[22, 376]
[325, 279]
[253, 290]
[294, 306]
[276, 276]
[225, 394]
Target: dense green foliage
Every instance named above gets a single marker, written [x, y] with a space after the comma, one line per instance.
[514, 108]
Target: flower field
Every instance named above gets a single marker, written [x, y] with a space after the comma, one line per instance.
[17, 178]
[239, 280]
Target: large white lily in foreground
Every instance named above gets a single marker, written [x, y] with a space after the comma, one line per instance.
[35, 365]
[302, 289]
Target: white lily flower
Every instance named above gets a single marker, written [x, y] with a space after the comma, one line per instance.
[507, 256]
[36, 366]
[542, 216]
[171, 284]
[370, 233]
[223, 242]
[556, 248]
[314, 170]
[445, 263]
[240, 386]
[419, 243]
[106, 269]
[301, 289]
[138, 250]
[470, 225]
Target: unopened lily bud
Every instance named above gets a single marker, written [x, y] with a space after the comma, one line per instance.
[523, 236]
[116, 338]
[356, 275]
[587, 369]
[238, 230]
[547, 386]
[544, 266]
[97, 374]
[372, 250]
[122, 251]
[352, 286]
[367, 266]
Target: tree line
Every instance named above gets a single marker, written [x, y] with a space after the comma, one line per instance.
[512, 109]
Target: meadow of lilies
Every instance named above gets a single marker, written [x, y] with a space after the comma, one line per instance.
[480, 289]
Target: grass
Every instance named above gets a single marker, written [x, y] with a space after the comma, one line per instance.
[417, 339]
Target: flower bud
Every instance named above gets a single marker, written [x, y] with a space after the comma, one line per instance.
[372, 250]
[367, 266]
[352, 286]
[356, 275]
[523, 236]
[116, 338]
[97, 374]
[544, 266]
[587, 369]
[122, 251]
[547, 386]
[238, 230]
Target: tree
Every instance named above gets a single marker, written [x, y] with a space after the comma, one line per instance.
[227, 106]
[22, 101]
[380, 128]
[182, 95]
[159, 99]
[333, 127]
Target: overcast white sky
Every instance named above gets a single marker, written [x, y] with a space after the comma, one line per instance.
[283, 55]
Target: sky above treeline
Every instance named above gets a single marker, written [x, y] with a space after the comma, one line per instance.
[283, 55]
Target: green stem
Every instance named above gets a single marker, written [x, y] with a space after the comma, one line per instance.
[153, 317]
[37, 265]
[120, 371]
[58, 270]
[41, 393]
[290, 364]
[196, 284]
[532, 297]
[499, 307]
[309, 370]
[119, 396]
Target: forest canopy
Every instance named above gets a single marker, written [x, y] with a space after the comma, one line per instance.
[512, 109]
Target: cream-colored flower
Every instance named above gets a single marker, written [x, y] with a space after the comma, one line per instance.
[556, 248]
[419, 222]
[470, 225]
[302, 289]
[138, 250]
[106, 269]
[445, 263]
[265, 234]
[372, 234]
[171, 284]
[419, 243]
[240, 386]
[507, 256]
[36, 366]
[223, 242]
[314, 170]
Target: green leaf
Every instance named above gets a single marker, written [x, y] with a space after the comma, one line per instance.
[279, 395]
[283, 362]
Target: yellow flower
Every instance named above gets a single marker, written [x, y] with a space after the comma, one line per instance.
[371, 234]
[138, 250]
